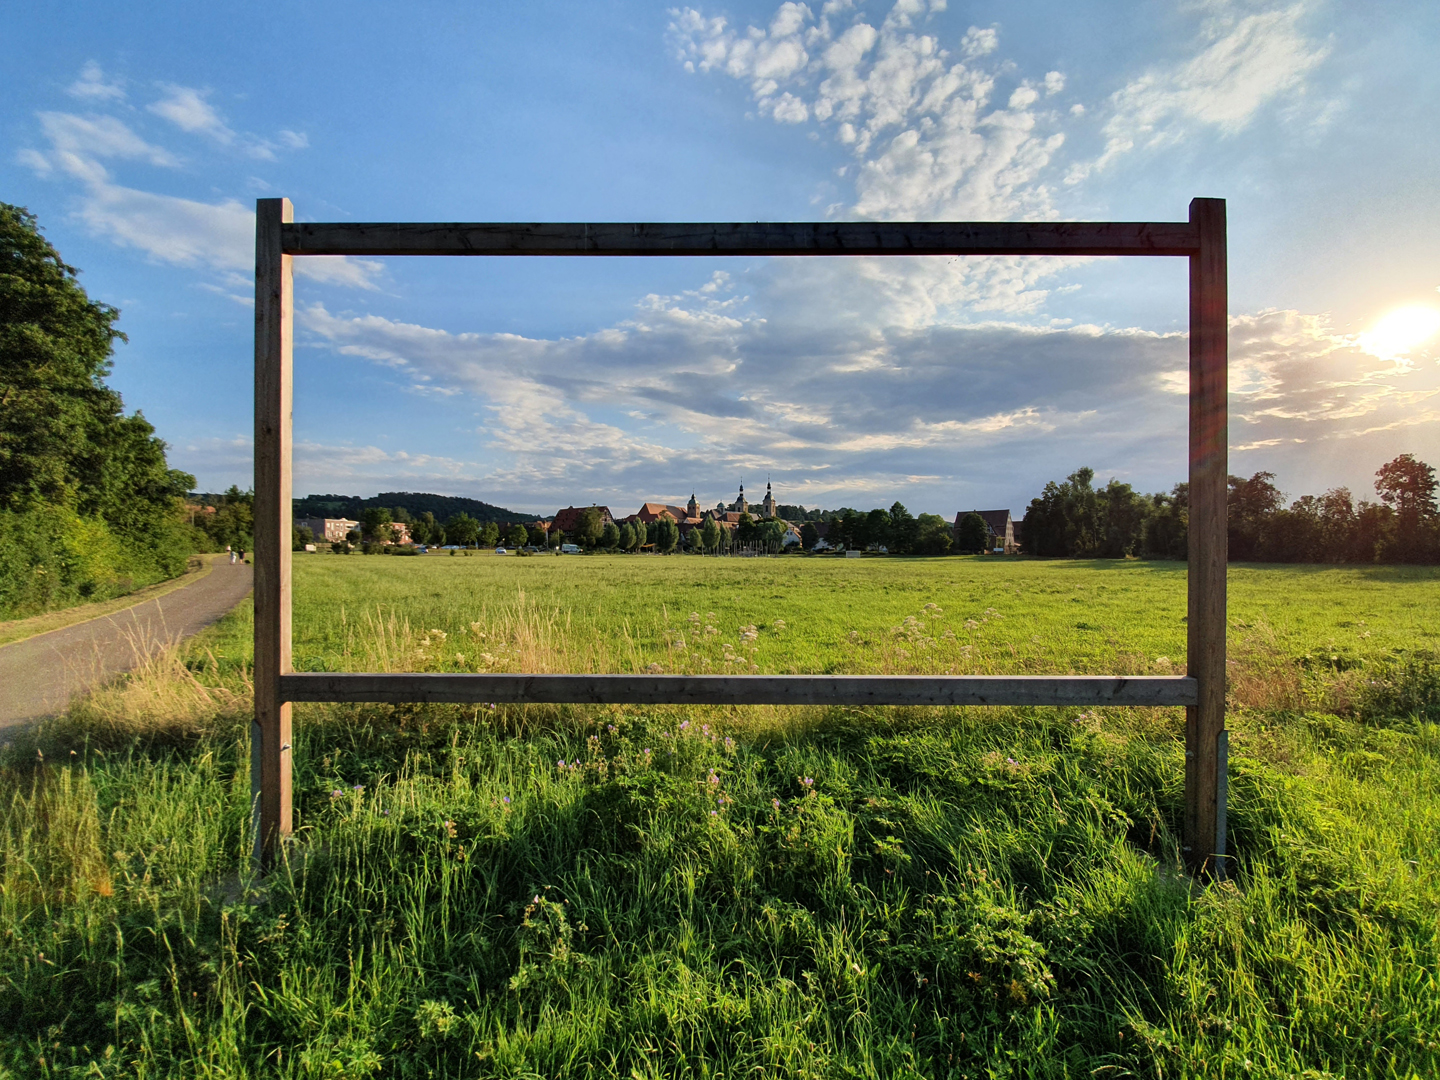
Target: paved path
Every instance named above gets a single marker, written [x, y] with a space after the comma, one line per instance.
[39, 676]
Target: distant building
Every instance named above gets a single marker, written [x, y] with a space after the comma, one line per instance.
[765, 511]
[332, 530]
[1001, 528]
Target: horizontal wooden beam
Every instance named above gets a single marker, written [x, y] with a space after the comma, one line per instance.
[743, 689]
[746, 238]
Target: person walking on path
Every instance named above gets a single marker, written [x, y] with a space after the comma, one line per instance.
[231, 550]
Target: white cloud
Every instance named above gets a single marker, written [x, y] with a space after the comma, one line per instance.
[91, 86]
[187, 109]
[1248, 62]
[185, 232]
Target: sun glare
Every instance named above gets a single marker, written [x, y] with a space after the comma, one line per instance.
[1399, 332]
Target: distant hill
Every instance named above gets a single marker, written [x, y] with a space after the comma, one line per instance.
[444, 507]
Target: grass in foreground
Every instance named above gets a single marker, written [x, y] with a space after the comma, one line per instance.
[613, 892]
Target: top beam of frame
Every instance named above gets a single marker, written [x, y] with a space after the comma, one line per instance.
[746, 238]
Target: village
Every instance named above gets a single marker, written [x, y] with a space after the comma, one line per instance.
[736, 527]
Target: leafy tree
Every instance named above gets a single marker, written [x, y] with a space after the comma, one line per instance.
[1407, 486]
[556, 537]
[537, 536]
[610, 536]
[877, 529]
[401, 515]
[710, 535]
[809, 535]
[1250, 505]
[68, 452]
[934, 536]
[375, 523]
[667, 535]
[488, 535]
[590, 527]
[904, 530]
[972, 535]
[1164, 534]
[516, 536]
[301, 536]
[627, 537]
[462, 529]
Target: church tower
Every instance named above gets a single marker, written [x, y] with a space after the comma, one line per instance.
[741, 506]
[692, 508]
[769, 503]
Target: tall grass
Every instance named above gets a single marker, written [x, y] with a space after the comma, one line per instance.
[563, 891]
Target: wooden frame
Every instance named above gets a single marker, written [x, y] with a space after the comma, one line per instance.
[1202, 239]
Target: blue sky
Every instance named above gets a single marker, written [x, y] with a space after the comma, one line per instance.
[141, 141]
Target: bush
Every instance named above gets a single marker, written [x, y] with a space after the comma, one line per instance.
[53, 557]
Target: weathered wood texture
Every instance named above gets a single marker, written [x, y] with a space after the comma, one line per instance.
[274, 317]
[1209, 427]
[746, 238]
[1085, 690]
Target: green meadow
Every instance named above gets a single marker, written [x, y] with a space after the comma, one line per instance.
[759, 892]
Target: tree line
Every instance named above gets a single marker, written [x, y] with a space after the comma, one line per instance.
[1075, 519]
[89, 507]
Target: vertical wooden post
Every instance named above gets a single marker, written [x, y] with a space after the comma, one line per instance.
[1209, 485]
[274, 325]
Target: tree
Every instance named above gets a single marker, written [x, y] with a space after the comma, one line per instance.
[68, 452]
[375, 523]
[516, 536]
[610, 536]
[488, 534]
[1164, 534]
[556, 537]
[710, 535]
[877, 529]
[537, 535]
[1250, 505]
[1407, 486]
[809, 535]
[972, 535]
[627, 537]
[301, 536]
[904, 530]
[771, 536]
[590, 527]
[667, 535]
[462, 529]
[933, 535]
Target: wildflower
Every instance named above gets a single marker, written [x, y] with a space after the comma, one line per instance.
[775, 803]
[450, 830]
[611, 728]
[714, 813]
[439, 634]
[779, 624]
[358, 788]
[647, 751]
[971, 624]
[459, 658]
[808, 781]
[654, 669]
[337, 793]
[506, 800]
[1011, 761]
[729, 743]
[384, 813]
[684, 724]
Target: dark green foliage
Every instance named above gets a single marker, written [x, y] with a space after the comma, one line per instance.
[74, 469]
[415, 504]
[1074, 520]
[516, 536]
[461, 529]
[972, 535]
[934, 536]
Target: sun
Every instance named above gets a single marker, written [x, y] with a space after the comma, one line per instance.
[1400, 331]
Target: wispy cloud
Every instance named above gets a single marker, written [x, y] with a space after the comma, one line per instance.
[215, 235]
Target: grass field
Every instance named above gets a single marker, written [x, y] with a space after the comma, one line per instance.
[557, 891]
